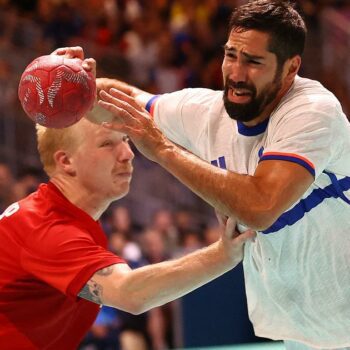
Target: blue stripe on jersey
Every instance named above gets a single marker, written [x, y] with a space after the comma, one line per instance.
[150, 103]
[337, 186]
[214, 162]
[222, 162]
[335, 190]
[252, 130]
[290, 158]
[260, 152]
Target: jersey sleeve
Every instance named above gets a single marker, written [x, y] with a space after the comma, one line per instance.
[65, 257]
[306, 136]
[183, 115]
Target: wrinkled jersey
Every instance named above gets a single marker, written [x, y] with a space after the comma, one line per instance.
[49, 249]
[297, 271]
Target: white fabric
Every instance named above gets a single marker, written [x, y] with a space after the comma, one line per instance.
[297, 276]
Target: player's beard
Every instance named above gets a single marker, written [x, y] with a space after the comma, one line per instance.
[245, 112]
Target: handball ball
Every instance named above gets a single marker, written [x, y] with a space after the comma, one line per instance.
[56, 91]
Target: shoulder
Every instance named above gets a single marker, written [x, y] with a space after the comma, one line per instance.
[309, 95]
[309, 100]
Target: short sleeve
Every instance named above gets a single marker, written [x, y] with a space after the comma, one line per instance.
[65, 257]
[183, 115]
[305, 136]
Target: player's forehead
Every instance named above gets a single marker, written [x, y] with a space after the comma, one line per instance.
[90, 132]
[104, 133]
[252, 42]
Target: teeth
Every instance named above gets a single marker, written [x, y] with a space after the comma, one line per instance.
[240, 93]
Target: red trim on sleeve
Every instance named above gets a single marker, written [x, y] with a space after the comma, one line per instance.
[152, 109]
[151, 104]
[289, 155]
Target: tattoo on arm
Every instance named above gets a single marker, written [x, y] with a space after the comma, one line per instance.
[92, 290]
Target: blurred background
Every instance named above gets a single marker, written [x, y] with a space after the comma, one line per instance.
[161, 46]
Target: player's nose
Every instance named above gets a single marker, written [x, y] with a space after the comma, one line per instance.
[124, 152]
[238, 71]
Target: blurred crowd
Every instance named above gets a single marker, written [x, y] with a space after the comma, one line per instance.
[161, 46]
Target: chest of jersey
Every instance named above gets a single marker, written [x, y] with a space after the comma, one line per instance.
[230, 147]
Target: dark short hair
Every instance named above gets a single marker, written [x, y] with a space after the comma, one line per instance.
[279, 19]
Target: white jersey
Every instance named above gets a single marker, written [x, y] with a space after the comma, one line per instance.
[297, 272]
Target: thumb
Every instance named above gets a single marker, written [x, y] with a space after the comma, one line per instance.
[221, 218]
[248, 235]
[89, 64]
[230, 228]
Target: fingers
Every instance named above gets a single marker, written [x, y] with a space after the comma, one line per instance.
[233, 241]
[120, 95]
[70, 52]
[89, 64]
[121, 102]
[107, 84]
[231, 232]
[118, 112]
[104, 84]
[248, 235]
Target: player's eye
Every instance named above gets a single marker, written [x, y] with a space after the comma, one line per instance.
[254, 62]
[126, 138]
[106, 143]
[230, 54]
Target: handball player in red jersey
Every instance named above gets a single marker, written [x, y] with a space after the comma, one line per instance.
[55, 270]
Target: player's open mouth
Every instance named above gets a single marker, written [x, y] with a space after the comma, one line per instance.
[239, 95]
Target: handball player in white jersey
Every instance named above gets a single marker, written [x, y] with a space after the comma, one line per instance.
[272, 149]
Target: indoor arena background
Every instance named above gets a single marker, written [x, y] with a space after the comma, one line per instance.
[160, 46]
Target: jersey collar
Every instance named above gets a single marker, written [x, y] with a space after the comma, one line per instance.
[252, 130]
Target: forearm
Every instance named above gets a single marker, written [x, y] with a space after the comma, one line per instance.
[230, 193]
[139, 290]
[157, 284]
[141, 96]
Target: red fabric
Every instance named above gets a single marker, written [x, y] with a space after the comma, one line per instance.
[48, 251]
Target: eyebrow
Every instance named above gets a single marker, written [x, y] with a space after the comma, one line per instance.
[245, 54]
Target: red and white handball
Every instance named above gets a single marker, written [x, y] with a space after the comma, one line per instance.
[56, 91]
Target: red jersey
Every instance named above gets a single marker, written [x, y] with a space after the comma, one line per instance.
[49, 249]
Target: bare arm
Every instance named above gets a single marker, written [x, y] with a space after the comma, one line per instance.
[256, 201]
[139, 290]
[140, 96]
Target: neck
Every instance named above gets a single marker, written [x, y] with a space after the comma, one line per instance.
[91, 203]
[270, 107]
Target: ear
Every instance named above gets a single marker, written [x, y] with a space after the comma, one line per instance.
[292, 67]
[64, 161]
